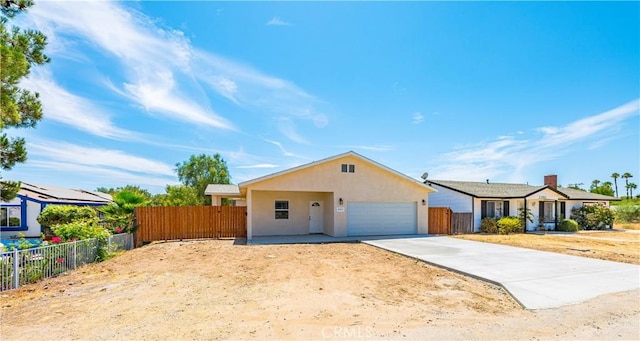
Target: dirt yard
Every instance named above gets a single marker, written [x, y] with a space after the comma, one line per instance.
[618, 246]
[217, 290]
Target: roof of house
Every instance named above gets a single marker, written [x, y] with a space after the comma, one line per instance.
[507, 190]
[47, 193]
[576, 194]
[219, 189]
[314, 163]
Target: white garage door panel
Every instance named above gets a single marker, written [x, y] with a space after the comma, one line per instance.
[376, 219]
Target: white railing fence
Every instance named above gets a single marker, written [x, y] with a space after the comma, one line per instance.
[20, 267]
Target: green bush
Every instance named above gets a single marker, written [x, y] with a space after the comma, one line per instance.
[488, 225]
[508, 225]
[628, 213]
[568, 225]
[80, 230]
[594, 217]
[13, 221]
[64, 214]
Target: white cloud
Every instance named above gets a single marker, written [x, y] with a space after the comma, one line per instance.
[64, 107]
[509, 155]
[417, 118]
[260, 165]
[276, 21]
[97, 157]
[151, 56]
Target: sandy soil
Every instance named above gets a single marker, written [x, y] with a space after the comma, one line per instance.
[217, 290]
[609, 246]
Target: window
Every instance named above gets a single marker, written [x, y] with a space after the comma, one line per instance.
[494, 209]
[547, 213]
[10, 216]
[282, 209]
[348, 168]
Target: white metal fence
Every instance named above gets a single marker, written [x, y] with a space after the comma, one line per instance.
[19, 267]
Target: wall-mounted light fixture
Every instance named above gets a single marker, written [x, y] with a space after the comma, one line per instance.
[340, 201]
[424, 202]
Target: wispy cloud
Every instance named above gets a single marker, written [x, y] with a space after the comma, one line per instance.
[75, 111]
[417, 118]
[276, 21]
[152, 58]
[98, 158]
[284, 151]
[259, 166]
[509, 155]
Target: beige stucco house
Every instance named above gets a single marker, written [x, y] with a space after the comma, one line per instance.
[344, 195]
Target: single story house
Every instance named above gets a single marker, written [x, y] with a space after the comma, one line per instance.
[343, 195]
[549, 204]
[20, 214]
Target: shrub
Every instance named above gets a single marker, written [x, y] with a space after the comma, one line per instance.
[628, 213]
[508, 225]
[594, 217]
[488, 225]
[80, 230]
[568, 225]
[63, 214]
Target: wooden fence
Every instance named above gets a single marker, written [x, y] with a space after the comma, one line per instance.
[190, 222]
[461, 223]
[439, 220]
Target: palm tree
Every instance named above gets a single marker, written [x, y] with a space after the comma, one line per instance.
[626, 177]
[632, 186]
[595, 183]
[615, 177]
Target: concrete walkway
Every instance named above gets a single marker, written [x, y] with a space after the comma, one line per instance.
[536, 279]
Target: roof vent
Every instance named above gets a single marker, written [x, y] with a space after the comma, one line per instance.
[487, 180]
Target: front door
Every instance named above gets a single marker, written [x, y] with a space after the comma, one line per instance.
[315, 217]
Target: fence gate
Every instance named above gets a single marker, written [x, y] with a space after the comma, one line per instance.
[461, 223]
[439, 220]
[190, 222]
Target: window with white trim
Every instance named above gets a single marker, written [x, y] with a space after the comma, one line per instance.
[347, 168]
[549, 216]
[282, 209]
[495, 209]
[10, 216]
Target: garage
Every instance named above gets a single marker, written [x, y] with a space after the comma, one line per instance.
[377, 218]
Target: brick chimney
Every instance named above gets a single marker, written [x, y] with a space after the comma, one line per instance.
[551, 181]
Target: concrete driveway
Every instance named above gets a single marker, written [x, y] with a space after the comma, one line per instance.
[537, 279]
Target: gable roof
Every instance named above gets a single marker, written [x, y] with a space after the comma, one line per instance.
[219, 189]
[489, 190]
[339, 156]
[575, 194]
[53, 194]
[507, 190]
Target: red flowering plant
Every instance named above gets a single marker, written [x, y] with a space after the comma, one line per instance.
[56, 240]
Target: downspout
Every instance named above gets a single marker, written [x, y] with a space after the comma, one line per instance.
[526, 210]
[473, 216]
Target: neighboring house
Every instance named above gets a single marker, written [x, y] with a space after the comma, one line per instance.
[549, 204]
[20, 214]
[343, 195]
[230, 192]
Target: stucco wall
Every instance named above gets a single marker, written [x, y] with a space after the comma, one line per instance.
[369, 183]
[265, 224]
[458, 202]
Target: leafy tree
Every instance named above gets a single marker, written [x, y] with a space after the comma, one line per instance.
[615, 177]
[201, 170]
[179, 195]
[595, 183]
[128, 188]
[626, 177]
[119, 214]
[605, 189]
[19, 108]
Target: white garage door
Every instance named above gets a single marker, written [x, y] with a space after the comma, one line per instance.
[381, 218]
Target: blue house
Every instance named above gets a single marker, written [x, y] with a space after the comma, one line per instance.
[19, 215]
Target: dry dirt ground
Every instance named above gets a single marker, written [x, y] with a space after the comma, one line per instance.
[217, 290]
[618, 246]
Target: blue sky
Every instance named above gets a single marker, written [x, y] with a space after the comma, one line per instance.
[507, 91]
